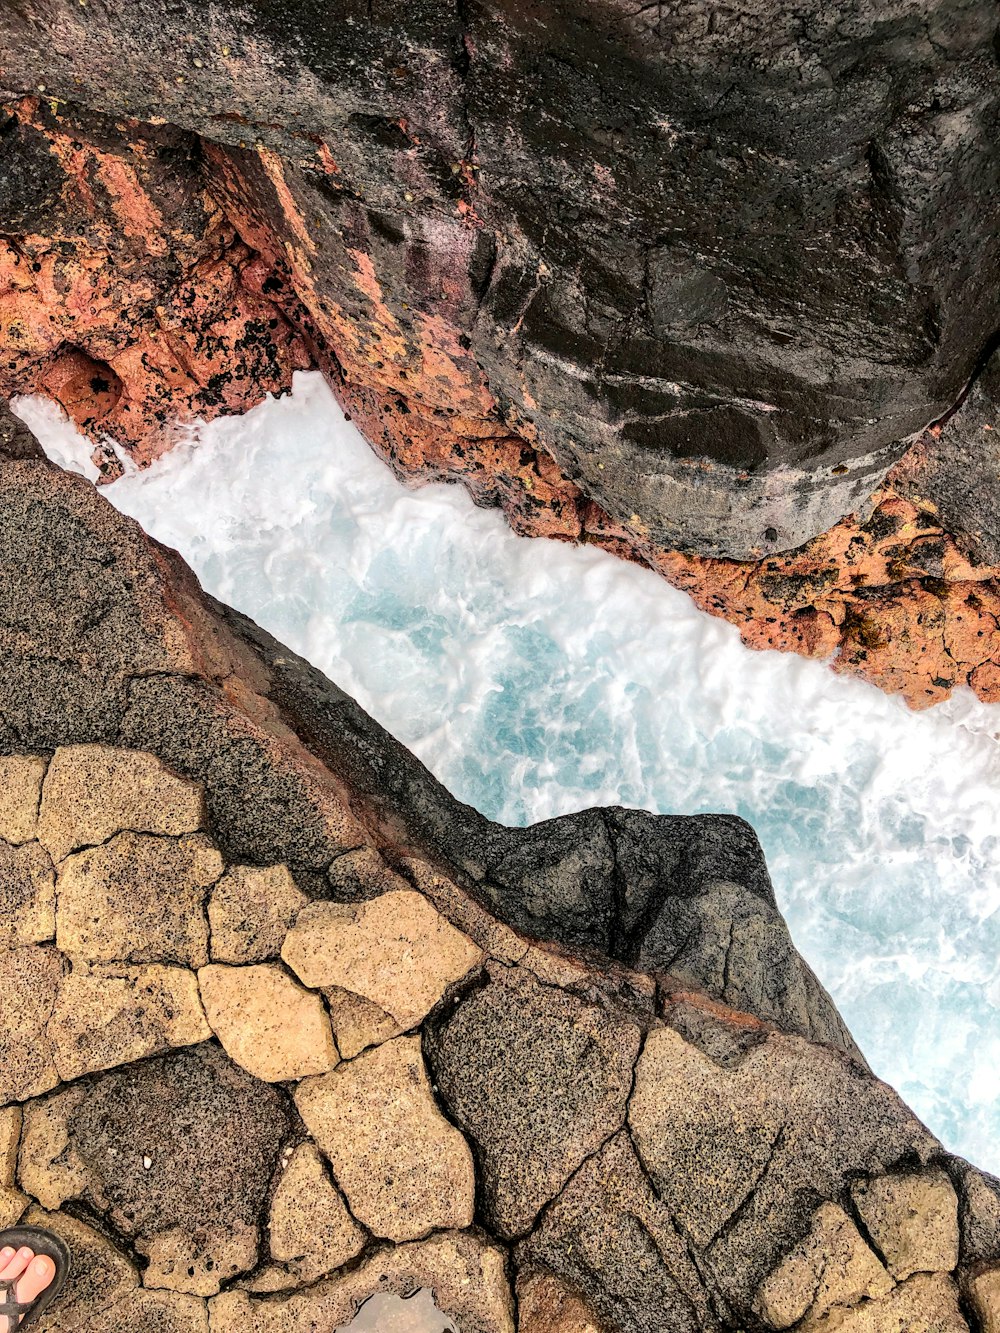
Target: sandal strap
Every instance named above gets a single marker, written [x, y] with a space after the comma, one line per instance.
[10, 1306]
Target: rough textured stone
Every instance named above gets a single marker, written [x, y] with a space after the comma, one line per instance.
[466, 1272]
[177, 1151]
[267, 1023]
[27, 895]
[29, 980]
[913, 1219]
[832, 1267]
[93, 791]
[926, 1301]
[310, 1229]
[12, 1201]
[538, 1080]
[610, 1238]
[357, 1023]
[250, 911]
[982, 1291]
[395, 951]
[20, 793]
[111, 1018]
[734, 1150]
[544, 1305]
[137, 899]
[404, 1169]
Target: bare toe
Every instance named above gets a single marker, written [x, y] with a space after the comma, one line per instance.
[33, 1274]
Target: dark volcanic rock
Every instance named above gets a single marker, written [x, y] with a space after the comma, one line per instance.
[722, 264]
[537, 1080]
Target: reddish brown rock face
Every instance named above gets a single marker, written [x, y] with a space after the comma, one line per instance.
[153, 279]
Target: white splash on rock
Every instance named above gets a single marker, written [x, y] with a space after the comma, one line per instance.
[536, 678]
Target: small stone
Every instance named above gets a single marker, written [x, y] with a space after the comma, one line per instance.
[545, 1305]
[831, 1266]
[983, 1294]
[100, 1021]
[266, 1022]
[197, 1262]
[357, 1023]
[29, 981]
[404, 1169]
[27, 895]
[49, 1168]
[913, 1219]
[311, 1230]
[93, 791]
[137, 899]
[20, 793]
[396, 951]
[250, 911]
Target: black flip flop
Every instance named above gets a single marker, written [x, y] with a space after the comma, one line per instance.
[41, 1242]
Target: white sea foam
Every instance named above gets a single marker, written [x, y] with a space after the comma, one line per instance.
[535, 678]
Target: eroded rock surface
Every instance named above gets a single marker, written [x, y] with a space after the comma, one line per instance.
[547, 1102]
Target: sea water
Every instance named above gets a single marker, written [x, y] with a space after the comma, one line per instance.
[536, 678]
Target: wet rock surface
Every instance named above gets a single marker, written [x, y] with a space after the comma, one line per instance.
[518, 275]
[549, 1122]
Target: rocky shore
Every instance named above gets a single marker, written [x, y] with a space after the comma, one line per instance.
[285, 1025]
[751, 347]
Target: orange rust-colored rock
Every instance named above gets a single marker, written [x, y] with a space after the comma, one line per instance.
[125, 292]
[157, 291]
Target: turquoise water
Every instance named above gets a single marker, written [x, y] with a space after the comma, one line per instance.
[535, 679]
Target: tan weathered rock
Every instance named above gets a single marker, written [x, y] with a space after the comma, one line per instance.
[545, 1305]
[404, 1169]
[362, 873]
[924, 1303]
[357, 1023]
[982, 1291]
[137, 899]
[20, 793]
[310, 1228]
[831, 1266]
[250, 911]
[153, 1312]
[49, 1168]
[396, 951]
[466, 1274]
[27, 895]
[198, 1264]
[93, 791]
[107, 1019]
[29, 980]
[12, 1201]
[913, 1219]
[266, 1022]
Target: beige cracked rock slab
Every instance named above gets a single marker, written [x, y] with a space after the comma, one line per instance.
[395, 951]
[466, 1273]
[93, 791]
[311, 1231]
[913, 1219]
[983, 1294]
[250, 911]
[831, 1266]
[100, 1020]
[27, 895]
[29, 981]
[404, 1169]
[925, 1303]
[357, 1022]
[20, 793]
[198, 1263]
[137, 898]
[266, 1022]
[49, 1169]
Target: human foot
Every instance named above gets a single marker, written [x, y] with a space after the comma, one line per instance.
[23, 1277]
